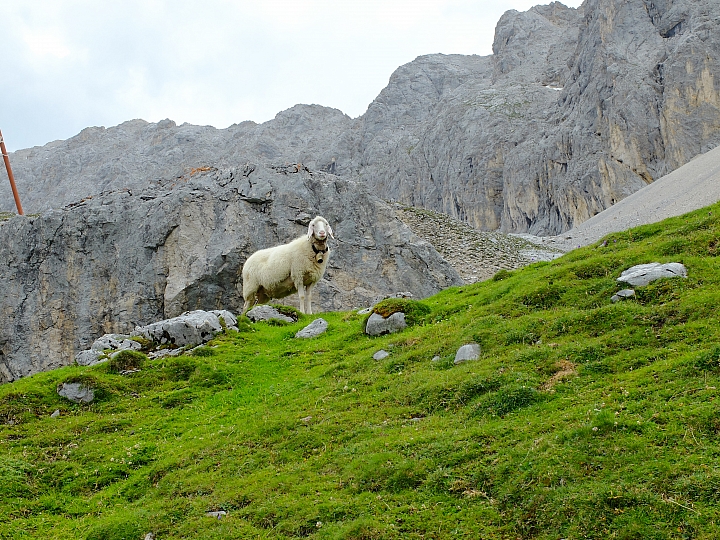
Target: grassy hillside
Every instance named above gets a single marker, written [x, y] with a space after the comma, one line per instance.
[582, 418]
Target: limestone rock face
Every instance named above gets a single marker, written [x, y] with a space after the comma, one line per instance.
[575, 110]
[129, 258]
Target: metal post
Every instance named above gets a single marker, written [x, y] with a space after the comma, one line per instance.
[10, 174]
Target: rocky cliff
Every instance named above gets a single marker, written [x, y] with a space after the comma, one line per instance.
[131, 257]
[575, 110]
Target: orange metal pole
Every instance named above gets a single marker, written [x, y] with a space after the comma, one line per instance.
[10, 174]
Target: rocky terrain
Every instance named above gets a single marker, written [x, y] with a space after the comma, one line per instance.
[575, 110]
[127, 258]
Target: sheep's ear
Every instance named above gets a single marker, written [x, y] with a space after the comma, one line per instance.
[310, 229]
[330, 232]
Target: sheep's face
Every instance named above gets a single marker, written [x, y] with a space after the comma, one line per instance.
[320, 229]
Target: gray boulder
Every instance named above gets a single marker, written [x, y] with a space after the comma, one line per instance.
[378, 325]
[108, 341]
[264, 312]
[226, 318]
[314, 329]
[76, 392]
[89, 357]
[467, 353]
[642, 274]
[191, 328]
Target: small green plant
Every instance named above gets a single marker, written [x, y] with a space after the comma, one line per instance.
[505, 401]
[180, 368]
[709, 360]
[203, 351]
[126, 360]
[502, 274]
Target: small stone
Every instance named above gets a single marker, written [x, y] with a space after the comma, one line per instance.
[381, 354]
[162, 353]
[315, 328]
[306, 419]
[622, 295]
[217, 515]
[436, 358]
[466, 353]
[365, 311]
[55, 414]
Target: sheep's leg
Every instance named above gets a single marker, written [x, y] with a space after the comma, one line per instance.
[308, 299]
[301, 294]
[246, 306]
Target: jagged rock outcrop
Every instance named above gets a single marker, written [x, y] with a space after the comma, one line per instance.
[575, 110]
[129, 258]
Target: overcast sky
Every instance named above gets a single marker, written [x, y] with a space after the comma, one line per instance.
[69, 64]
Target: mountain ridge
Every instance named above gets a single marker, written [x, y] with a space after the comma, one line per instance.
[575, 110]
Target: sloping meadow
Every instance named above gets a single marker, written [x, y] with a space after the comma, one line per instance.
[582, 418]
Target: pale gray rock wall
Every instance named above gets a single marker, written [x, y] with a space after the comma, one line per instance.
[575, 110]
[130, 258]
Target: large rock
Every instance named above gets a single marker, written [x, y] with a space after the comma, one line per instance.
[643, 274]
[191, 328]
[575, 110]
[130, 258]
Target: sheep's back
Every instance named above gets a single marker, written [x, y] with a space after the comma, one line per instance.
[270, 266]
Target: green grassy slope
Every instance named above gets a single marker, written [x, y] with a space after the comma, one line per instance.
[582, 418]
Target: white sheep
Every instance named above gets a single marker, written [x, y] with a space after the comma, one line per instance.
[280, 271]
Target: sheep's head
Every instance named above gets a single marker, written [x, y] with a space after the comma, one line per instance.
[319, 228]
